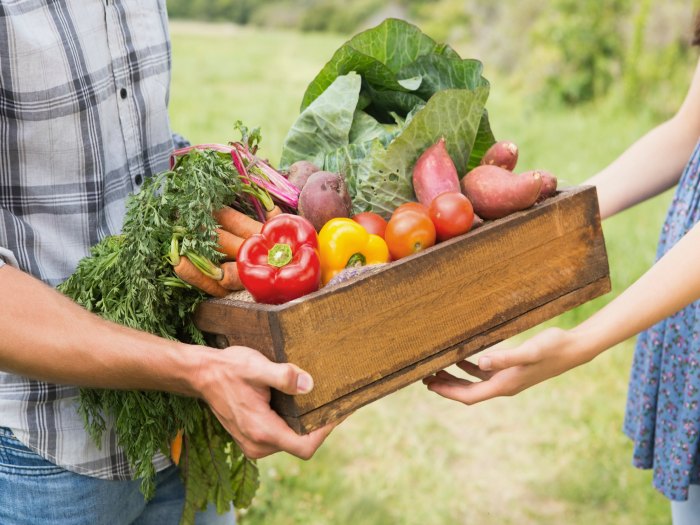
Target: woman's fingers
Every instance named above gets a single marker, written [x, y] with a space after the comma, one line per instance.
[446, 377]
[473, 370]
[508, 372]
[525, 354]
[465, 391]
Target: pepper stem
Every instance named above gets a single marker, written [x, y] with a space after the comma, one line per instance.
[279, 255]
[356, 259]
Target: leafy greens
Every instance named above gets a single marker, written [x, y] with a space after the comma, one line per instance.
[385, 96]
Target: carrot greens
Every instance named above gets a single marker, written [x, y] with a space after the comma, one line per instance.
[128, 279]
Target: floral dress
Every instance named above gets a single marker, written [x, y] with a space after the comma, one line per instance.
[663, 410]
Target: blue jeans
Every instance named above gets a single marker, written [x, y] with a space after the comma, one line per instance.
[34, 490]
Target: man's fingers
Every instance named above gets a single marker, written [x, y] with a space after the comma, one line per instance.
[284, 438]
[525, 354]
[285, 377]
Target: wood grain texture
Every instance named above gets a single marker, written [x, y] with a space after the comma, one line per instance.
[245, 326]
[342, 406]
[357, 336]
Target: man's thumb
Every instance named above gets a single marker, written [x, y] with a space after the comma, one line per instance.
[290, 379]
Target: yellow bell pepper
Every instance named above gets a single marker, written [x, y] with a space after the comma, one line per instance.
[343, 243]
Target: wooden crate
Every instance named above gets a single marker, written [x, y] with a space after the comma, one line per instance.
[368, 337]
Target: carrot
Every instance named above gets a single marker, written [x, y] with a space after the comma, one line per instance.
[274, 212]
[176, 447]
[229, 244]
[189, 273]
[231, 281]
[237, 223]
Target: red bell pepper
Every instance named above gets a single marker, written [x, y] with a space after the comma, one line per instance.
[281, 262]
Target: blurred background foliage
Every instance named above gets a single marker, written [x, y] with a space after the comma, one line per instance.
[560, 51]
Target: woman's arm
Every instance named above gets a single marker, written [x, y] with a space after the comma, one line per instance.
[671, 284]
[655, 162]
[44, 335]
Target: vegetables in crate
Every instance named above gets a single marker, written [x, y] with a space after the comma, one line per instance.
[410, 230]
[549, 184]
[372, 222]
[502, 154]
[324, 197]
[434, 173]
[495, 192]
[344, 243]
[385, 96]
[452, 214]
[281, 262]
[300, 171]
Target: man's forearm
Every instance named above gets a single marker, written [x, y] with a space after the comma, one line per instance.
[45, 335]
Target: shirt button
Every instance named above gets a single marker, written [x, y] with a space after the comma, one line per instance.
[138, 179]
[122, 92]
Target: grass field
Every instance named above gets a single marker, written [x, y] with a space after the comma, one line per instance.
[553, 455]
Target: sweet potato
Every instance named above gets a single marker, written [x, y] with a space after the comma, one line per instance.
[502, 154]
[495, 192]
[434, 173]
[324, 197]
[549, 184]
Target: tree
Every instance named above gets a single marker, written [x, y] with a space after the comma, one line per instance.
[585, 41]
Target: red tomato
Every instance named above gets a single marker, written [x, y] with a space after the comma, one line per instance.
[452, 214]
[416, 206]
[409, 231]
[372, 222]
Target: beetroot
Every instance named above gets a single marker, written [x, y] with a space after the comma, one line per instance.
[434, 173]
[324, 197]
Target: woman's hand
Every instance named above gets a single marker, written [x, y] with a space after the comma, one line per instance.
[671, 284]
[508, 372]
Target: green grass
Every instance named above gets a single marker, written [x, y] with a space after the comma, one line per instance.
[555, 454]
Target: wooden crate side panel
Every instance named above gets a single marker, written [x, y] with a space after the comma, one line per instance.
[352, 338]
[344, 405]
[241, 326]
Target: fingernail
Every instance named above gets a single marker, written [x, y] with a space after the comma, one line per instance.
[304, 383]
[485, 363]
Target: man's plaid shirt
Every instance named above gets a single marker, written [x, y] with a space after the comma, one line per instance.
[83, 120]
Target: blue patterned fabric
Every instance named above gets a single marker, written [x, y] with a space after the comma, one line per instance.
[663, 403]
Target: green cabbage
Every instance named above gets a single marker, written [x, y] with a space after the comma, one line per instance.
[385, 96]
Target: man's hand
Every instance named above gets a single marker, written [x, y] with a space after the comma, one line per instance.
[236, 383]
[508, 372]
[76, 347]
